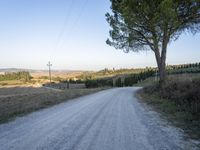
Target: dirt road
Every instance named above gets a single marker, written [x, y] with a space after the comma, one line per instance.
[108, 120]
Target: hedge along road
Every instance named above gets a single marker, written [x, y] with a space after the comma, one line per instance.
[107, 120]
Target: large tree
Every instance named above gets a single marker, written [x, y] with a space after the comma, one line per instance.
[151, 24]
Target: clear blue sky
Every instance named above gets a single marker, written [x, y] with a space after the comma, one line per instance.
[72, 34]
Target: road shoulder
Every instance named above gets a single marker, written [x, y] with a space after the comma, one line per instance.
[169, 112]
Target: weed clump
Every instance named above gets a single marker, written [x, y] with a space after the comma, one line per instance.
[184, 92]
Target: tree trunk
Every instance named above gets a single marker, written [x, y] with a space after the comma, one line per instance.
[158, 59]
[161, 56]
[163, 59]
[162, 72]
[161, 63]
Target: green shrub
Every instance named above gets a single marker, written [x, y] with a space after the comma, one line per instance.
[118, 82]
[91, 84]
[98, 82]
[184, 92]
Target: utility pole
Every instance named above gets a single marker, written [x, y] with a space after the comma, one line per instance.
[49, 65]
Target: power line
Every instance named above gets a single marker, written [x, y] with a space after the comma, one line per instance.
[79, 16]
[64, 25]
[62, 30]
[69, 12]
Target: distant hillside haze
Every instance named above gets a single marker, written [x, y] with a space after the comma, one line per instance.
[13, 69]
[40, 73]
[181, 68]
[34, 70]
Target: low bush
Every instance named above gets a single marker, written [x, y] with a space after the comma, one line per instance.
[184, 92]
[91, 84]
[94, 83]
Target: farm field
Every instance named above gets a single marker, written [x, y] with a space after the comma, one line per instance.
[18, 101]
[11, 83]
[61, 74]
[18, 91]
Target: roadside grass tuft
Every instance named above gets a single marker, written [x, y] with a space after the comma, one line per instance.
[178, 100]
[186, 120]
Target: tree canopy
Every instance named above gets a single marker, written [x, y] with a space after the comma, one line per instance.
[151, 24]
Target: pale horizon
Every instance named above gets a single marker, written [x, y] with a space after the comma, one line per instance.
[72, 38]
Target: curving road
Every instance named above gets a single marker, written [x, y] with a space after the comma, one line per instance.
[107, 120]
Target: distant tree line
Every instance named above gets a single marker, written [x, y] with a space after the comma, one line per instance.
[184, 68]
[21, 75]
[129, 80]
[135, 78]
[193, 65]
[138, 75]
[105, 73]
[72, 81]
[94, 83]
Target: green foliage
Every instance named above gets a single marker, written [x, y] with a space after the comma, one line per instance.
[185, 68]
[134, 76]
[184, 92]
[137, 25]
[119, 83]
[98, 83]
[73, 81]
[91, 84]
[177, 114]
[151, 24]
[129, 80]
[106, 73]
[22, 75]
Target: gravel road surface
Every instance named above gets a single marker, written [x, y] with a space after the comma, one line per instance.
[108, 120]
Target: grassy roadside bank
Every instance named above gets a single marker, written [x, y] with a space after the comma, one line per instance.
[177, 101]
[189, 122]
[18, 105]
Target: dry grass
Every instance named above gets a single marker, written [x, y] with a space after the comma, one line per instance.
[186, 120]
[10, 91]
[11, 83]
[178, 100]
[61, 74]
[153, 80]
[20, 101]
